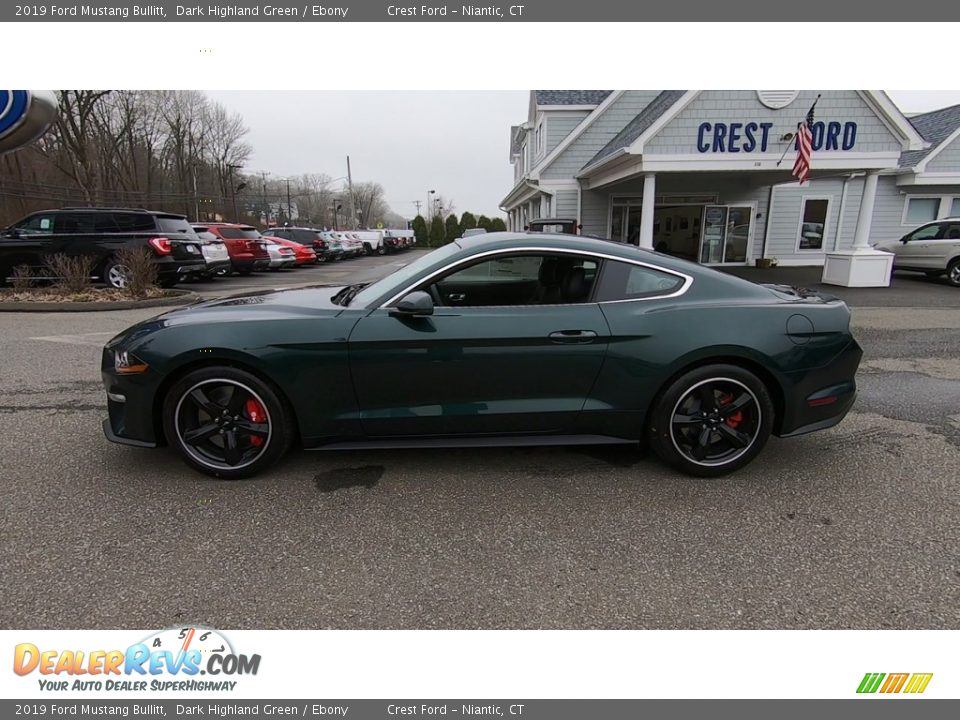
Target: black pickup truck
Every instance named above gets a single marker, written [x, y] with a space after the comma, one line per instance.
[100, 233]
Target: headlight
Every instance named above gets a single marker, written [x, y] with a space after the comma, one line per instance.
[125, 363]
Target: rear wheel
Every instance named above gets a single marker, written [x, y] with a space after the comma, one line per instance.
[953, 273]
[381, 250]
[226, 423]
[711, 421]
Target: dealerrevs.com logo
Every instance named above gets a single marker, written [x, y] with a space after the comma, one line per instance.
[171, 659]
[909, 683]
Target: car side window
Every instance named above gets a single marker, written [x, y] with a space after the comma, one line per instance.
[518, 279]
[37, 225]
[69, 223]
[951, 232]
[134, 222]
[626, 281]
[928, 232]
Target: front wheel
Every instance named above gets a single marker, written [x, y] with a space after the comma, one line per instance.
[227, 423]
[711, 421]
[116, 275]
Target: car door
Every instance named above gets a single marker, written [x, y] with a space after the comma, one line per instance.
[27, 243]
[917, 249]
[947, 245]
[496, 367]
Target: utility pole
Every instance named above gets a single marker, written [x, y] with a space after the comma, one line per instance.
[263, 193]
[353, 212]
[289, 216]
[417, 203]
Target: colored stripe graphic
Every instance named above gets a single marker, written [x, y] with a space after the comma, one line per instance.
[870, 682]
[894, 683]
[918, 682]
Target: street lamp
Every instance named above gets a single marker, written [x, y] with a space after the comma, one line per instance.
[429, 206]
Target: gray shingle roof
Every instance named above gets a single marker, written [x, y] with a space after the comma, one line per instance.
[636, 127]
[571, 97]
[935, 127]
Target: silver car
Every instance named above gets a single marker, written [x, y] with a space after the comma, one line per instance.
[280, 256]
[933, 249]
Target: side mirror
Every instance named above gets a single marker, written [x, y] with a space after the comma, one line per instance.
[10, 232]
[905, 239]
[413, 304]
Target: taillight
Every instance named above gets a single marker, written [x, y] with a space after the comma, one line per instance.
[161, 245]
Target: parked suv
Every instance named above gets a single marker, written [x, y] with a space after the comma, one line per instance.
[99, 233]
[305, 236]
[933, 249]
[247, 250]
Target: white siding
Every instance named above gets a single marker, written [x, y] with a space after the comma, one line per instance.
[559, 124]
[947, 160]
[602, 131]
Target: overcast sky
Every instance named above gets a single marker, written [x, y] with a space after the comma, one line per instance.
[454, 142]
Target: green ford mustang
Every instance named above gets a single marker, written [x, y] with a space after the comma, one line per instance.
[508, 339]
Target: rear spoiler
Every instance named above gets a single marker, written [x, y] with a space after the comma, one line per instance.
[800, 293]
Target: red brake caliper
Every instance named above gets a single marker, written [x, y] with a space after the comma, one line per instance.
[737, 417]
[255, 412]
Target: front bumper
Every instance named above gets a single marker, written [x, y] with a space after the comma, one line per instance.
[130, 412]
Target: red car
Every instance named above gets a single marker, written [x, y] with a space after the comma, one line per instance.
[247, 252]
[305, 255]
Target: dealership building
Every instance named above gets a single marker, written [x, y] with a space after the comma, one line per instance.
[706, 174]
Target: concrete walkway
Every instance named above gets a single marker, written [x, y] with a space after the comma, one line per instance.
[906, 289]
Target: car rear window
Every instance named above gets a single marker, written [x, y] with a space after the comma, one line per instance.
[304, 237]
[175, 225]
[239, 234]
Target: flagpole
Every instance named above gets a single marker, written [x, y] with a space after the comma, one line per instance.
[794, 140]
[816, 100]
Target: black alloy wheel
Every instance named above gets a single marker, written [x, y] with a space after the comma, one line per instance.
[226, 422]
[712, 420]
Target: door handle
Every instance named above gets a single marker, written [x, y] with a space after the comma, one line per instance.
[457, 297]
[573, 337]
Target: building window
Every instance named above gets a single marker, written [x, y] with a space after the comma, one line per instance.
[955, 207]
[921, 210]
[539, 137]
[813, 224]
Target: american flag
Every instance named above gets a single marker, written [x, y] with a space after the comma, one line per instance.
[801, 166]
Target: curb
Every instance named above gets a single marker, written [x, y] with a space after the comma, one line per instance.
[183, 297]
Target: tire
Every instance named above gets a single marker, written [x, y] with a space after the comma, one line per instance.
[953, 272]
[737, 424]
[202, 399]
[115, 274]
[381, 250]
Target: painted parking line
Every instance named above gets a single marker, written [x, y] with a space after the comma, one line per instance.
[95, 339]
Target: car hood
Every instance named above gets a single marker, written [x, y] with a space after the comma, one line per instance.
[314, 301]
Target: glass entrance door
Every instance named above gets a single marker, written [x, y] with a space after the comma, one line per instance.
[714, 234]
[726, 234]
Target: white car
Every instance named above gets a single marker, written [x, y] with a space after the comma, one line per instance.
[352, 246]
[933, 249]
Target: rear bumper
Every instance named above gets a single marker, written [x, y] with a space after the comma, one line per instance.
[169, 267]
[821, 398]
[249, 263]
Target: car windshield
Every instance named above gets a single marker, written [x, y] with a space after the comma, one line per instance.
[396, 280]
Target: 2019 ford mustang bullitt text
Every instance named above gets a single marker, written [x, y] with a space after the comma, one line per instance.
[505, 339]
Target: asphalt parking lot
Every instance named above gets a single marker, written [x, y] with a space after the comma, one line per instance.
[855, 527]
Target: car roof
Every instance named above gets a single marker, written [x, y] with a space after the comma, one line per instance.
[157, 213]
[538, 240]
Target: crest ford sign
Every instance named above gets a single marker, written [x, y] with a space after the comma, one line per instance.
[752, 136]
